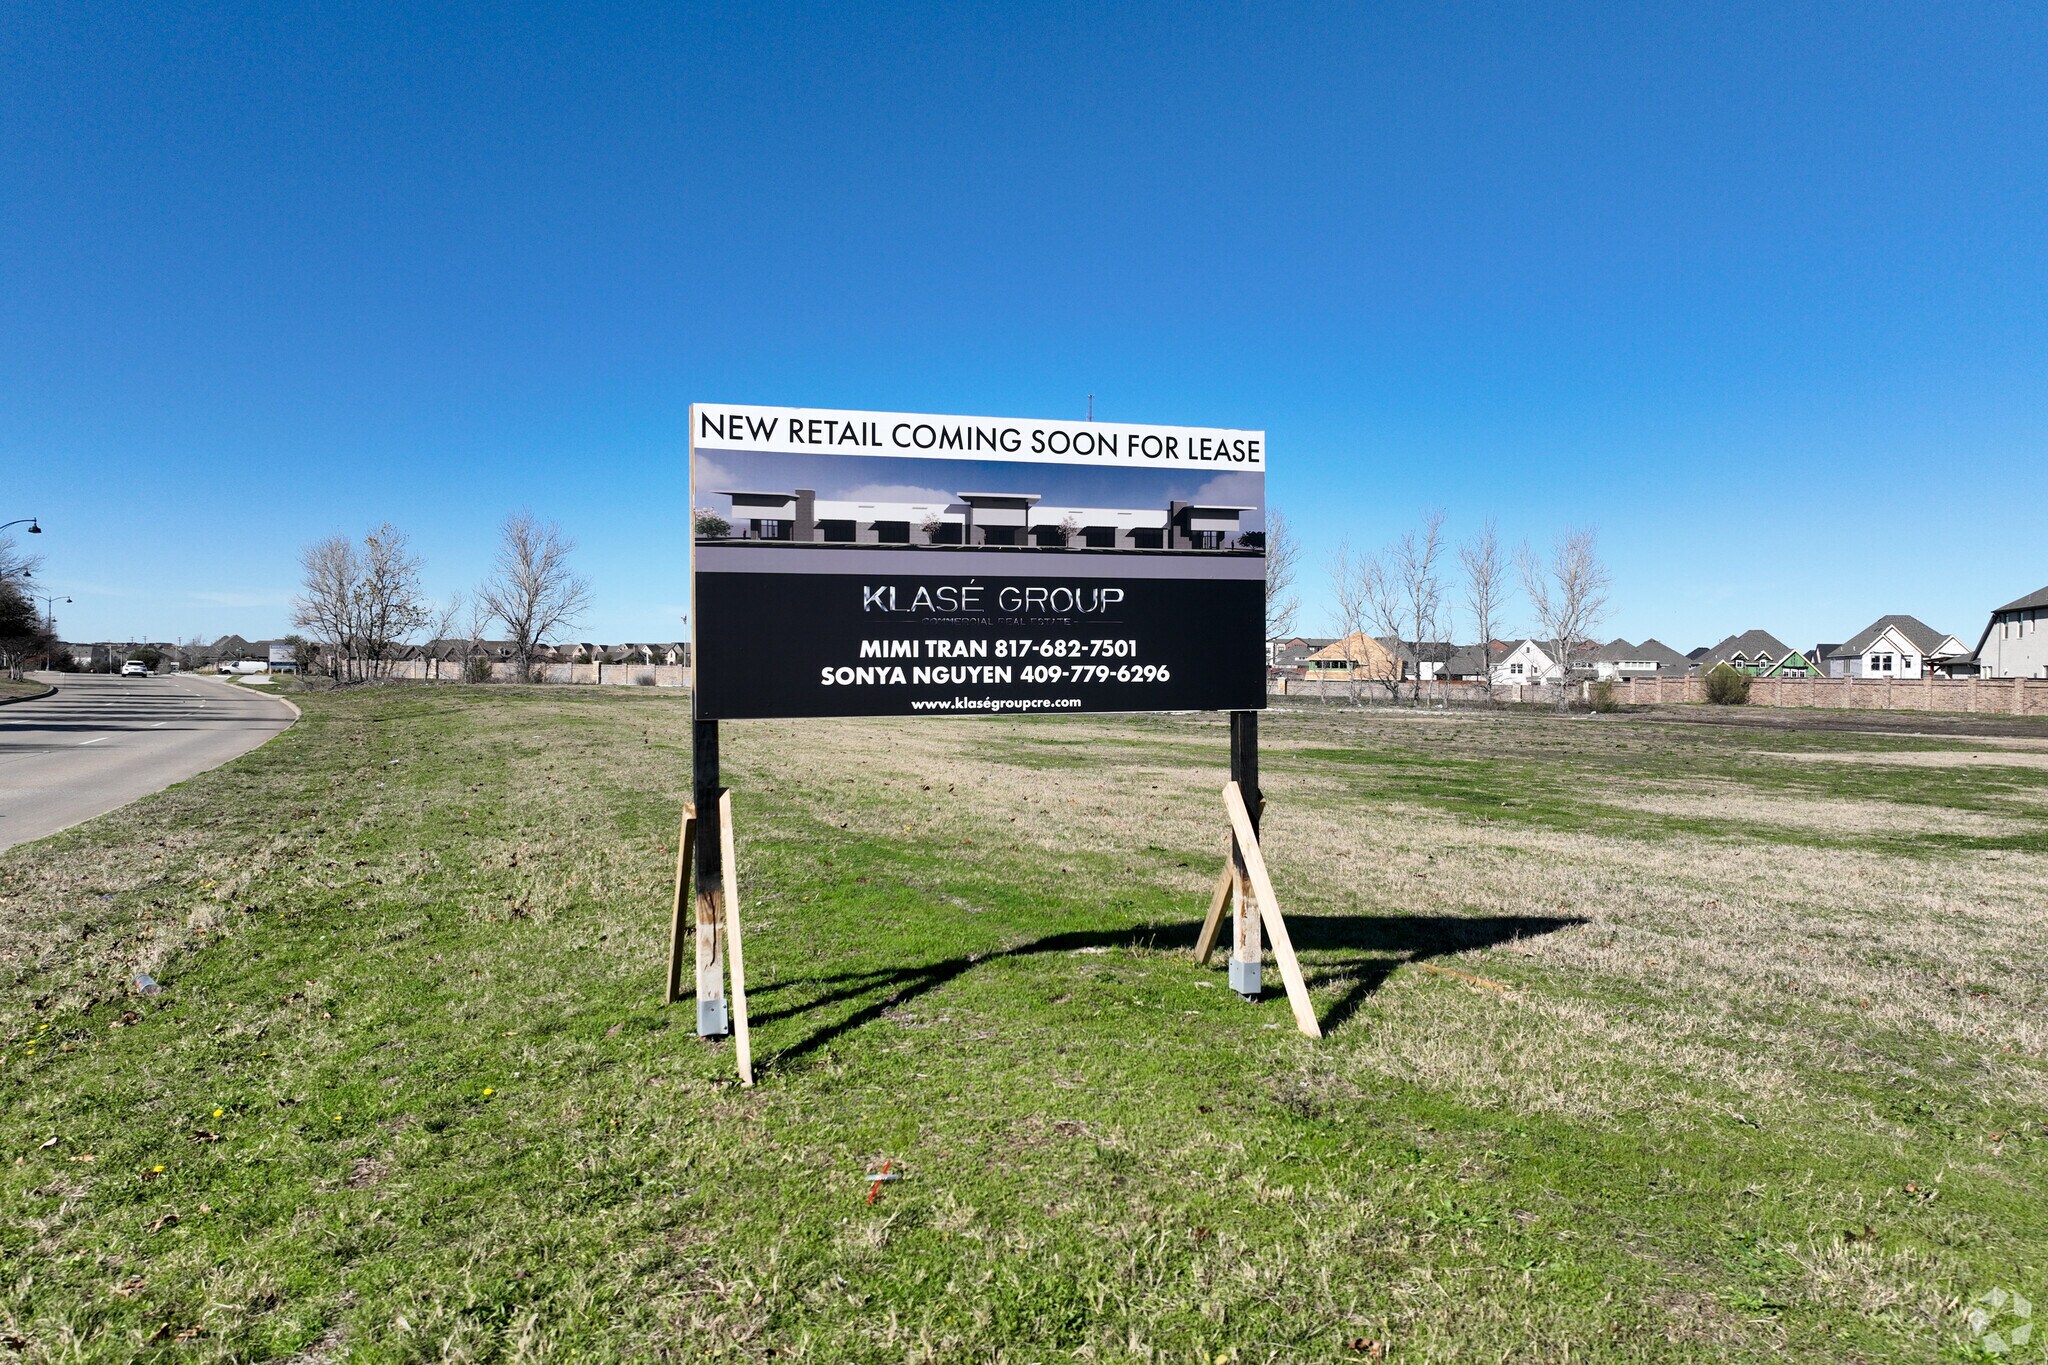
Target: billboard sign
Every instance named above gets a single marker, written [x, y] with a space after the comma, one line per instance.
[895, 564]
[284, 657]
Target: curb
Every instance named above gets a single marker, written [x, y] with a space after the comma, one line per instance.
[48, 691]
[290, 706]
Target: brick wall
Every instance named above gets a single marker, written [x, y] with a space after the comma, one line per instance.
[1994, 696]
[1374, 693]
[610, 675]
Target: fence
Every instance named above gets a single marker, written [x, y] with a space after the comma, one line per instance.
[1994, 696]
[605, 675]
[1372, 692]
[1990, 696]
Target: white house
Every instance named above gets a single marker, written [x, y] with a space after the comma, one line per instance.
[2015, 645]
[1895, 647]
[1526, 662]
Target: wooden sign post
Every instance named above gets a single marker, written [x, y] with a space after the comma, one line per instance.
[705, 842]
[1248, 888]
[711, 1013]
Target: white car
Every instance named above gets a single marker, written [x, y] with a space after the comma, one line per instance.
[135, 668]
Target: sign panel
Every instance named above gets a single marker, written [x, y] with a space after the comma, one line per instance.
[894, 564]
[283, 656]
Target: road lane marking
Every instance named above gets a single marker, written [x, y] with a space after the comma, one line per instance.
[101, 740]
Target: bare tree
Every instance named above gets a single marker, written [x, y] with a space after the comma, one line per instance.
[16, 564]
[476, 620]
[1358, 584]
[1568, 594]
[1485, 593]
[361, 603]
[1418, 592]
[447, 619]
[1398, 596]
[324, 607]
[1353, 580]
[1283, 604]
[532, 590]
[391, 604]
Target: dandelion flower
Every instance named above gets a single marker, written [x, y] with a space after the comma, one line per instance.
[157, 1169]
[218, 1112]
[489, 1091]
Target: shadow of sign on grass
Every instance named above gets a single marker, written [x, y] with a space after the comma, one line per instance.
[1363, 950]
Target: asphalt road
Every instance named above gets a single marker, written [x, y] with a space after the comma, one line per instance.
[102, 741]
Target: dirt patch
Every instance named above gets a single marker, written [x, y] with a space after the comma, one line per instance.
[1927, 758]
[1917, 724]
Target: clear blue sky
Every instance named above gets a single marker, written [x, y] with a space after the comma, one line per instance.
[1757, 291]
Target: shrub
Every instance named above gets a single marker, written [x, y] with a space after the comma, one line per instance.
[1601, 697]
[711, 526]
[1727, 686]
[478, 669]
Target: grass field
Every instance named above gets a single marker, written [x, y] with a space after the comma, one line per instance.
[1646, 1041]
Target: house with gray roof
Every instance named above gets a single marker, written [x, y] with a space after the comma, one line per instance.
[1428, 660]
[1650, 659]
[1472, 663]
[1293, 650]
[2015, 640]
[1896, 647]
[1759, 654]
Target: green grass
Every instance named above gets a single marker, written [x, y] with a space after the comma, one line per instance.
[1766, 1079]
[11, 688]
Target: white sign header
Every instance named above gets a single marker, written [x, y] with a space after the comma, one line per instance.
[1030, 440]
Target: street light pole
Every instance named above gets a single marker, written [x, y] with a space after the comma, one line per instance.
[49, 600]
[33, 528]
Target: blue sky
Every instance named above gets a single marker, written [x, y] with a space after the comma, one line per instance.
[1759, 292]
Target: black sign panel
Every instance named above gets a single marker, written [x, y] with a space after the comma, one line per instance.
[899, 564]
[906, 644]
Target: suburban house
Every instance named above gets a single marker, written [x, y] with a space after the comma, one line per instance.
[1290, 652]
[1895, 647]
[800, 516]
[1472, 663]
[1650, 659]
[1525, 661]
[1357, 655]
[1428, 660]
[1758, 653]
[2014, 645]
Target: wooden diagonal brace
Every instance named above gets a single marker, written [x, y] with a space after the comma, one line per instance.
[1269, 911]
[743, 1043]
[1219, 901]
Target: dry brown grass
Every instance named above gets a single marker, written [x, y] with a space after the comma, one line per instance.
[1754, 971]
[1754, 999]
